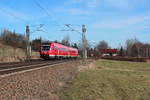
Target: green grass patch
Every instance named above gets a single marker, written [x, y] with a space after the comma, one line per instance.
[123, 65]
[111, 85]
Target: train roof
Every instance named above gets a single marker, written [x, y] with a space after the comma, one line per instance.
[59, 45]
[63, 46]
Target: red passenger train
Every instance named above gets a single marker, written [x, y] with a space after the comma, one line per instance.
[56, 50]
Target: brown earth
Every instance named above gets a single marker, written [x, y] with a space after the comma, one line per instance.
[42, 84]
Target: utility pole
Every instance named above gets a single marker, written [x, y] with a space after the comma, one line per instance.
[84, 42]
[41, 39]
[28, 46]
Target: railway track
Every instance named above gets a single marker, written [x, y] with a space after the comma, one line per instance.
[23, 62]
[16, 67]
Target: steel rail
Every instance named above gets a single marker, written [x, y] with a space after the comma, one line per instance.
[8, 66]
[22, 68]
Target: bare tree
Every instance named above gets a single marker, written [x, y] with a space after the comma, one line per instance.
[13, 39]
[66, 41]
[102, 45]
[36, 44]
[80, 47]
[74, 45]
[129, 45]
[133, 47]
[121, 52]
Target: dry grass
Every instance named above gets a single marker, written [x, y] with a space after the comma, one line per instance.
[111, 80]
[9, 54]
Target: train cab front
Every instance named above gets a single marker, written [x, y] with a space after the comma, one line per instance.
[44, 53]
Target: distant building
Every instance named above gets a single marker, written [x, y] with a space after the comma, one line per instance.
[109, 52]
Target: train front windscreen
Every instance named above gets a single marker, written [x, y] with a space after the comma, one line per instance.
[45, 48]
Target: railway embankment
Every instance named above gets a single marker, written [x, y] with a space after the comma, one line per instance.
[40, 84]
[12, 54]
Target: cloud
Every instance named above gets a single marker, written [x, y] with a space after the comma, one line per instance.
[122, 4]
[72, 11]
[13, 15]
[118, 3]
[93, 3]
[126, 4]
[123, 23]
[88, 3]
[75, 11]
[69, 2]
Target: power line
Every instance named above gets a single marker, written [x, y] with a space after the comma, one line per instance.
[45, 10]
[57, 18]
[39, 28]
[84, 40]
[58, 23]
[13, 15]
[72, 29]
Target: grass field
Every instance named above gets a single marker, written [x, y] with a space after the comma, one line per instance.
[111, 80]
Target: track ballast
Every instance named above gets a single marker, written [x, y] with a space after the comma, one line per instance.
[8, 68]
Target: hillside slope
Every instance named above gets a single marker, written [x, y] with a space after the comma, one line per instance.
[10, 54]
